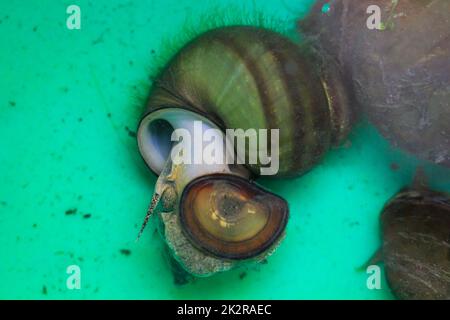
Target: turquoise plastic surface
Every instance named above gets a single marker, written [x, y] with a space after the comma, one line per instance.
[74, 190]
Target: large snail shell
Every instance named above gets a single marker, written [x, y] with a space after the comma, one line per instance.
[399, 74]
[229, 217]
[248, 77]
[416, 244]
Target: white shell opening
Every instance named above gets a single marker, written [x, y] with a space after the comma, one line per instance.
[155, 130]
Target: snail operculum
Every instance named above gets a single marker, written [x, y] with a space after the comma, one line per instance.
[219, 222]
[231, 218]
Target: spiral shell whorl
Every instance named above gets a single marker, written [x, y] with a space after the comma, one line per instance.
[249, 77]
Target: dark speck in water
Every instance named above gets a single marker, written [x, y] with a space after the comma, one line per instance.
[109, 115]
[242, 275]
[35, 29]
[264, 261]
[44, 290]
[87, 216]
[131, 133]
[152, 52]
[394, 166]
[125, 252]
[12, 103]
[80, 119]
[34, 225]
[354, 224]
[3, 203]
[99, 38]
[71, 212]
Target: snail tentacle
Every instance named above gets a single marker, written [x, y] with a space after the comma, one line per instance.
[153, 204]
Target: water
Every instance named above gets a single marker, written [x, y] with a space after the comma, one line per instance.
[74, 189]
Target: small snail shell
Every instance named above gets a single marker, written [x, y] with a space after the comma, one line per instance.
[399, 74]
[416, 244]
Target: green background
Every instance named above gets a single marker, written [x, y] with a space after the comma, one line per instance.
[69, 106]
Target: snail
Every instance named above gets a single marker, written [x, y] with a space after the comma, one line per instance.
[395, 55]
[213, 216]
[415, 225]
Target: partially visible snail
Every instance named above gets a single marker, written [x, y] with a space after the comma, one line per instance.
[395, 54]
[415, 225]
[213, 216]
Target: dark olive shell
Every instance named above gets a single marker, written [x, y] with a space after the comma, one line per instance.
[399, 75]
[416, 244]
[230, 217]
[246, 77]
